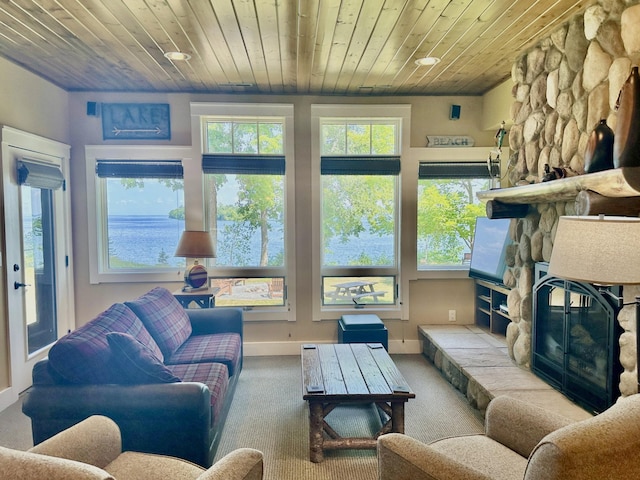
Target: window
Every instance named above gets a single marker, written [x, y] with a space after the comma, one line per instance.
[447, 211]
[246, 163]
[358, 208]
[139, 213]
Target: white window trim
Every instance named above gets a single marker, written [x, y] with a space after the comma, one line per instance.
[400, 309]
[125, 152]
[286, 312]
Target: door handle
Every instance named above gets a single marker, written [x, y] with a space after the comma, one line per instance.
[17, 285]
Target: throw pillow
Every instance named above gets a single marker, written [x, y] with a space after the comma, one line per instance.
[164, 318]
[135, 362]
[83, 356]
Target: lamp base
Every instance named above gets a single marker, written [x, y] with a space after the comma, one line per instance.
[195, 276]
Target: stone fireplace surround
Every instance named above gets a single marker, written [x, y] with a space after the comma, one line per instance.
[563, 86]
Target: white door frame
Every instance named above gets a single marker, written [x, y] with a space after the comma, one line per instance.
[18, 144]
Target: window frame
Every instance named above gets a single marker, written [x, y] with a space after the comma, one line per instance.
[401, 115]
[200, 111]
[96, 201]
[443, 170]
[410, 170]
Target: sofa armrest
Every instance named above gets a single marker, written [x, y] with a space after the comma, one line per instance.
[206, 321]
[171, 419]
[241, 464]
[95, 441]
[519, 425]
[404, 458]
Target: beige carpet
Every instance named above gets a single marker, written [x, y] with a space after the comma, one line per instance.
[268, 414]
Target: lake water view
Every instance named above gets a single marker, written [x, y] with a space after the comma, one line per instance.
[151, 239]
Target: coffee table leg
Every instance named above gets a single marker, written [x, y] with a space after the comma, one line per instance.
[316, 419]
[397, 417]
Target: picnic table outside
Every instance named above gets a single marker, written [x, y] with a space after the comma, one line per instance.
[350, 291]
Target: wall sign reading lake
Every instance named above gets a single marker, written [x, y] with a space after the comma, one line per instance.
[136, 121]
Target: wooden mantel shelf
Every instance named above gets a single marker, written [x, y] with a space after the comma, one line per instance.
[616, 183]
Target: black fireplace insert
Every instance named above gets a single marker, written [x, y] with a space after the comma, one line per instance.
[576, 339]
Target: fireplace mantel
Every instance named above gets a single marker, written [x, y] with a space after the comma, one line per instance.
[614, 183]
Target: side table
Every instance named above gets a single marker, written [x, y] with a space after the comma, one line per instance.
[203, 298]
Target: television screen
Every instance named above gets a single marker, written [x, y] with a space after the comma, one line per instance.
[489, 249]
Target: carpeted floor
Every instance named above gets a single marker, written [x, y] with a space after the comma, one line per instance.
[268, 414]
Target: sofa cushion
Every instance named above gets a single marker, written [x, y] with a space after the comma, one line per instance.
[135, 363]
[213, 375]
[164, 317]
[84, 356]
[220, 347]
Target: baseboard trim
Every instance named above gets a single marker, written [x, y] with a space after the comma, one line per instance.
[8, 397]
[267, 349]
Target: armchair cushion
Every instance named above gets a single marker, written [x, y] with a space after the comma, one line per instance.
[404, 458]
[519, 425]
[135, 362]
[164, 317]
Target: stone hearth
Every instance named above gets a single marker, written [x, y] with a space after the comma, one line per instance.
[477, 363]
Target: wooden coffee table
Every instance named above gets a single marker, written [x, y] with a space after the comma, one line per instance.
[335, 374]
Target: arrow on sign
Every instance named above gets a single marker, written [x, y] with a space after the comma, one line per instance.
[118, 131]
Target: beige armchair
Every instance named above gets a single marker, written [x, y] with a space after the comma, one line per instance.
[92, 450]
[522, 441]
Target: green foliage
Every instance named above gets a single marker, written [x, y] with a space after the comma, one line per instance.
[353, 203]
[177, 213]
[163, 258]
[447, 210]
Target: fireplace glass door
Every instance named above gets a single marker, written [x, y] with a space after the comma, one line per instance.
[575, 341]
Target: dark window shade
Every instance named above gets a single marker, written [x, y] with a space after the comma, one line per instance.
[39, 175]
[244, 164]
[428, 170]
[365, 165]
[139, 169]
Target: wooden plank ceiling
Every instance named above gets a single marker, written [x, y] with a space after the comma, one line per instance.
[330, 47]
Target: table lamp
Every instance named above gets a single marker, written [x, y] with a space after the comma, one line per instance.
[599, 250]
[195, 244]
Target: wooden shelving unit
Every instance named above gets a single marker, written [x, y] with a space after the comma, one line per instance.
[489, 298]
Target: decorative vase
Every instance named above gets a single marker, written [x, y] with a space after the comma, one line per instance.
[626, 144]
[599, 153]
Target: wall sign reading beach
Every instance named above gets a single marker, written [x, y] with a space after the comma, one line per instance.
[136, 121]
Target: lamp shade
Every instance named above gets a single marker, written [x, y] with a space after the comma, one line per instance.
[601, 250]
[195, 244]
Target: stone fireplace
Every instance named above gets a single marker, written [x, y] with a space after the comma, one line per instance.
[563, 86]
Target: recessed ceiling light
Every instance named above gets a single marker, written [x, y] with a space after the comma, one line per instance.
[426, 61]
[177, 56]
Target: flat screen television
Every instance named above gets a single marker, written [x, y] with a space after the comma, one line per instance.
[489, 249]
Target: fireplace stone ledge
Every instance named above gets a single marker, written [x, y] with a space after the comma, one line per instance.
[478, 364]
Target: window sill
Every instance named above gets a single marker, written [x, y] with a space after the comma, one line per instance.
[443, 274]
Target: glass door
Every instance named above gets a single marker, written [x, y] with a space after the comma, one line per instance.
[37, 234]
[38, 266]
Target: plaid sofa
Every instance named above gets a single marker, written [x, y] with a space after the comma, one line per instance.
[164, 374]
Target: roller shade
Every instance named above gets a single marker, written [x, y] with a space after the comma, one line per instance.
[39, 175]
[139, 169]
[365, 165]
[243, 164]
[428, 170]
